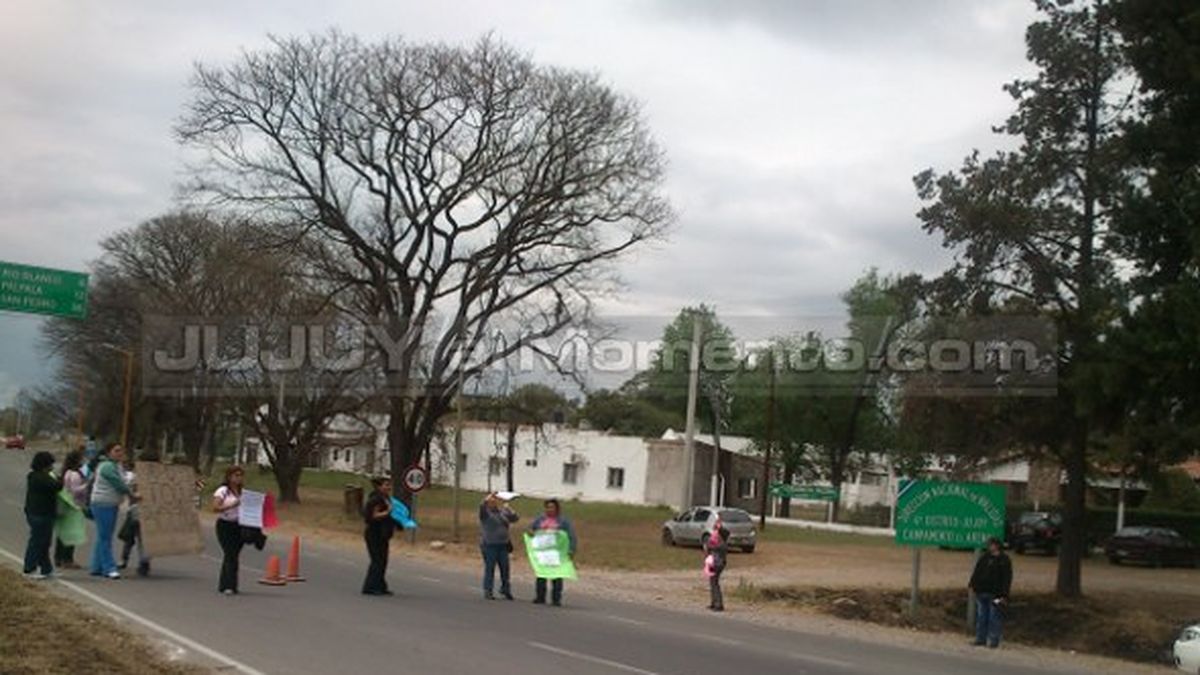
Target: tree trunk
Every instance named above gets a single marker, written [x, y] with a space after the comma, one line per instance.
[1074, 531]
[402, 446]
[287, 476]
[785, 503]
[510, 457]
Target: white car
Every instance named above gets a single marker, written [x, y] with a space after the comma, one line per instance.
[1187, 650]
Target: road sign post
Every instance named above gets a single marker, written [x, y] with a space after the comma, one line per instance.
[41, 290]
[955, 515]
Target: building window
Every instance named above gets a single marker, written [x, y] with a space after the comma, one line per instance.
[462, 462]
[616, 477]
[531, 462]
[747, 488]
[570, 474]
[495, 466]
[336, 453]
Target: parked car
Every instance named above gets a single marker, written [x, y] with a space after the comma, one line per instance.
[1157, 546]
[15, 442]
[691, 527]
[1036, 531]
[1187, 650]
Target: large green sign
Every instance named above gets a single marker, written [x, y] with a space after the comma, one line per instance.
[822, 493]
[958, 515]
[39, 290]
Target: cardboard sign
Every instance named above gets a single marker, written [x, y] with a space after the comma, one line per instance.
[167, 512]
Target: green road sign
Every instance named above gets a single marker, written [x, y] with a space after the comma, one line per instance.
[40, 290]
[823, 493]
[958, 515]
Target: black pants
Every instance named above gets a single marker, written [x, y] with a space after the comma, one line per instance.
[377, 548]
[37, 551]
[556, 588]
[714, 591]
[229, 534]
[63, 554]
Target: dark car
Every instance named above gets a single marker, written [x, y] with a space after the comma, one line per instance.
[1036, 531]
[1157, 546]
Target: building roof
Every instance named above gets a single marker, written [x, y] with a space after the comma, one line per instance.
[736, 444]
[1191, 467]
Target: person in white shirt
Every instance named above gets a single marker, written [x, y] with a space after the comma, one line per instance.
[225, 503]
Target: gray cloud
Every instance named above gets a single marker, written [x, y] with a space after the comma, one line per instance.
[793, 128]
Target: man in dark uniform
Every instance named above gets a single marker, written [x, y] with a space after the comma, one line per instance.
[377, 513]
[990, 582]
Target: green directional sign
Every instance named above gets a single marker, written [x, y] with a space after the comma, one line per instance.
[958, 515]
[40, 290]
[822, 493]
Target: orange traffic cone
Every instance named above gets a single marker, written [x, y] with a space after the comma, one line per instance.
[293, 570]
[273, 577]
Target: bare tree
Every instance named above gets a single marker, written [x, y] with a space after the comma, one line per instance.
[456, 194]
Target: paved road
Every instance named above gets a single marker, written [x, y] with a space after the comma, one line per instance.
[438, 622]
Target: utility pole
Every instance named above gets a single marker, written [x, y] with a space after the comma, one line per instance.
[458, 434]
[762, 514]
[689, 443]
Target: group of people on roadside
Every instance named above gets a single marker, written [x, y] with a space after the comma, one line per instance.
[495, 544]
[62, 502]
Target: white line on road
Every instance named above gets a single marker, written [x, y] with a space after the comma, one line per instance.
[591, 659]
[431, 580]
[137, 618]
[622, 619]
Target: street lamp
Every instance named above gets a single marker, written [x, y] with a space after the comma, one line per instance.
[128, 389]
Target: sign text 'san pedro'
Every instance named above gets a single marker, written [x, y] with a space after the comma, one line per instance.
[960, 515]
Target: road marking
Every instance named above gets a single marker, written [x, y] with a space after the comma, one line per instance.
[432, 580]
[591, 659]
[622, 619]
[137, 618]
[722, 640]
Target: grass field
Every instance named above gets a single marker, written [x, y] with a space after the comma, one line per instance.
[613, 536]
[41, 632]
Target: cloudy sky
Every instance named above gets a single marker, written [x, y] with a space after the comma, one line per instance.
[793, 128]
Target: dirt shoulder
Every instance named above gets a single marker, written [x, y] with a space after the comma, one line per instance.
[42, 632]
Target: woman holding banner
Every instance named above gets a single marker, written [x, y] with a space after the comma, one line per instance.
[552, 521]
[225, 502]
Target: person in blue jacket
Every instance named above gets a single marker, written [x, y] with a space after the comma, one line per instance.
[552, 520]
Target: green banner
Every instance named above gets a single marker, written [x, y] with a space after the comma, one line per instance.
[822, 493]
[550, 554]
[956, 515]
[40, 290]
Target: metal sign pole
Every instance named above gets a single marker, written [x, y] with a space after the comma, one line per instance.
[916, 580]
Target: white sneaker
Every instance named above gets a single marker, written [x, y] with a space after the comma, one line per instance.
[113, 575]
[34, 576]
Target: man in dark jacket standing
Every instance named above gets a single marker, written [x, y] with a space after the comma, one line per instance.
[377, 513]
[990, 582]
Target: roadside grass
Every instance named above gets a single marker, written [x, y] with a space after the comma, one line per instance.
[41, 632]
[612, 536]
[1134, 627]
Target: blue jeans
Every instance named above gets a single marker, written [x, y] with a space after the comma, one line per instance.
[987, 619]
[495, 555]
[37, 551]
[106, 523]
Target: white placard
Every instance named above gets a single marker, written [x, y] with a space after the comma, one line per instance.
[250, 510]
[545, 540]
[548, 558]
